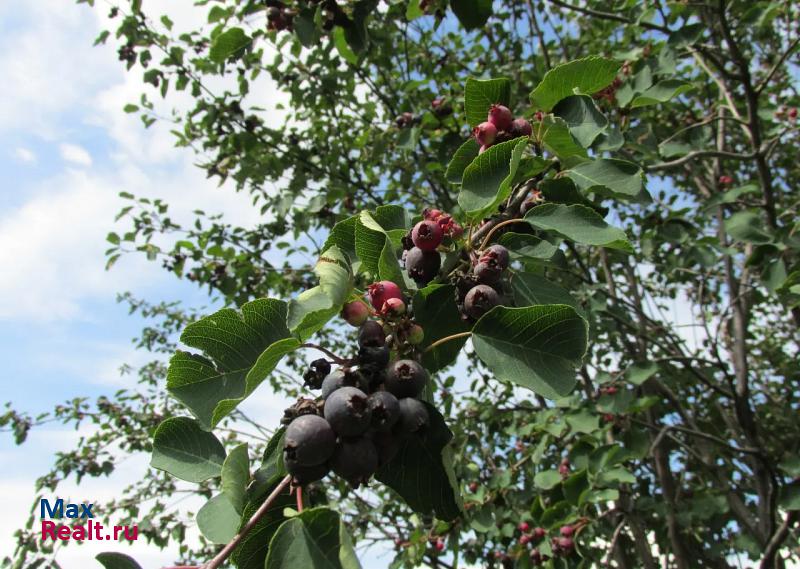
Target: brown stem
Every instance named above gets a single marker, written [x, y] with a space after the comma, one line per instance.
[441, 341]
[299, 495]
[327, 352]
[770, 558]
[226, 551]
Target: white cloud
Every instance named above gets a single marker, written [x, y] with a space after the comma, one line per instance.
[24, 155]
[75, 154]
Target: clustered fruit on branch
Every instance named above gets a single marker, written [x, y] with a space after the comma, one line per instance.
[369, 404]
[483, 287]
[561, 545]
[500, 126]
[421, 256]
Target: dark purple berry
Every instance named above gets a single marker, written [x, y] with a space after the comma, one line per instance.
[385, 410]
[480, 300]
[355, 460]
[520, 127]
[497, 256]
[347, 411]
[486, 273]
[413, 416]
[332, 382]
[427, 235]
[405, 378]
[373, 357]
[371, 335]
[422, 266]
[387, 444]
[302, 475]
[309, 440]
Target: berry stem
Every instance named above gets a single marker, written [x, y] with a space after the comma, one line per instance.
[327, 352]
[496, 227]
[226, 551]
[447, 339]
[299, 495]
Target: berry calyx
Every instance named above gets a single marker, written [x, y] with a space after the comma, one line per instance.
[316, 373]
[405, 378]
[480, 300]
[382, 291]
[427, 235]
[485, 133]
[385, 410]
[355, 313]
[520, 127]
[500, 116]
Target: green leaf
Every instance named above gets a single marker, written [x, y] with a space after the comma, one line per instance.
[272, 468]
[374, 248]
[241, 350]
[463, 157]
[790, 497]
[422, 473]
[230, 43]
[615, 476]
[313, 308]
[547, 479]
[530, 290]
[311, 540]
[686, 35]
[579, 77]
[583, 421]
[111, 560]
[182, 448]
[480, 94]
[236, 476]
[617, 177]
[563, 190]
[252, 551]
[578, 223]
[343, 236]
[525, 246]
[340, 41]
[661, 92]
[558, 139]
[537, 347]
[487, 180]
[747, 226]
[218, 519]
[584, 119]
[637, 374]
[437, 313]
[472, 14]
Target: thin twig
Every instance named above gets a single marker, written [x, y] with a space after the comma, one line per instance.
[447, 339]
[226, 551]
[327, 352]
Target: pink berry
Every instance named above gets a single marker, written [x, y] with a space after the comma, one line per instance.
[485, 133]
[523, 527]
[566, 544]
[792, 113]
[355, 313]
[725, 180]
[432, 214]
[382, 291]
[393, 307]
[539, 532]
[536, 557]
[520, 127]
[439, 545]
[611, 390]
[427, 235]
[538, 116]
[500, 116]
[524, 539]
[473, 487]
[567, 531]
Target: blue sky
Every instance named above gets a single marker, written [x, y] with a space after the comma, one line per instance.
[66, 151]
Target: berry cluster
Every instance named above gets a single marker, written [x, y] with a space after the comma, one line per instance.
[483, 287]
[421, 257]
[561, 545]
[500, 126]
[369, 404]
[609, 93]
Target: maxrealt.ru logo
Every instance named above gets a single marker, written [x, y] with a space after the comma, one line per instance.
[90, 530]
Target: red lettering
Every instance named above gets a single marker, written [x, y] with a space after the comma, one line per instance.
[117, 529]
[97, 528]
[48, 528]
[79, 533]
[133, 536]
[64, 533]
